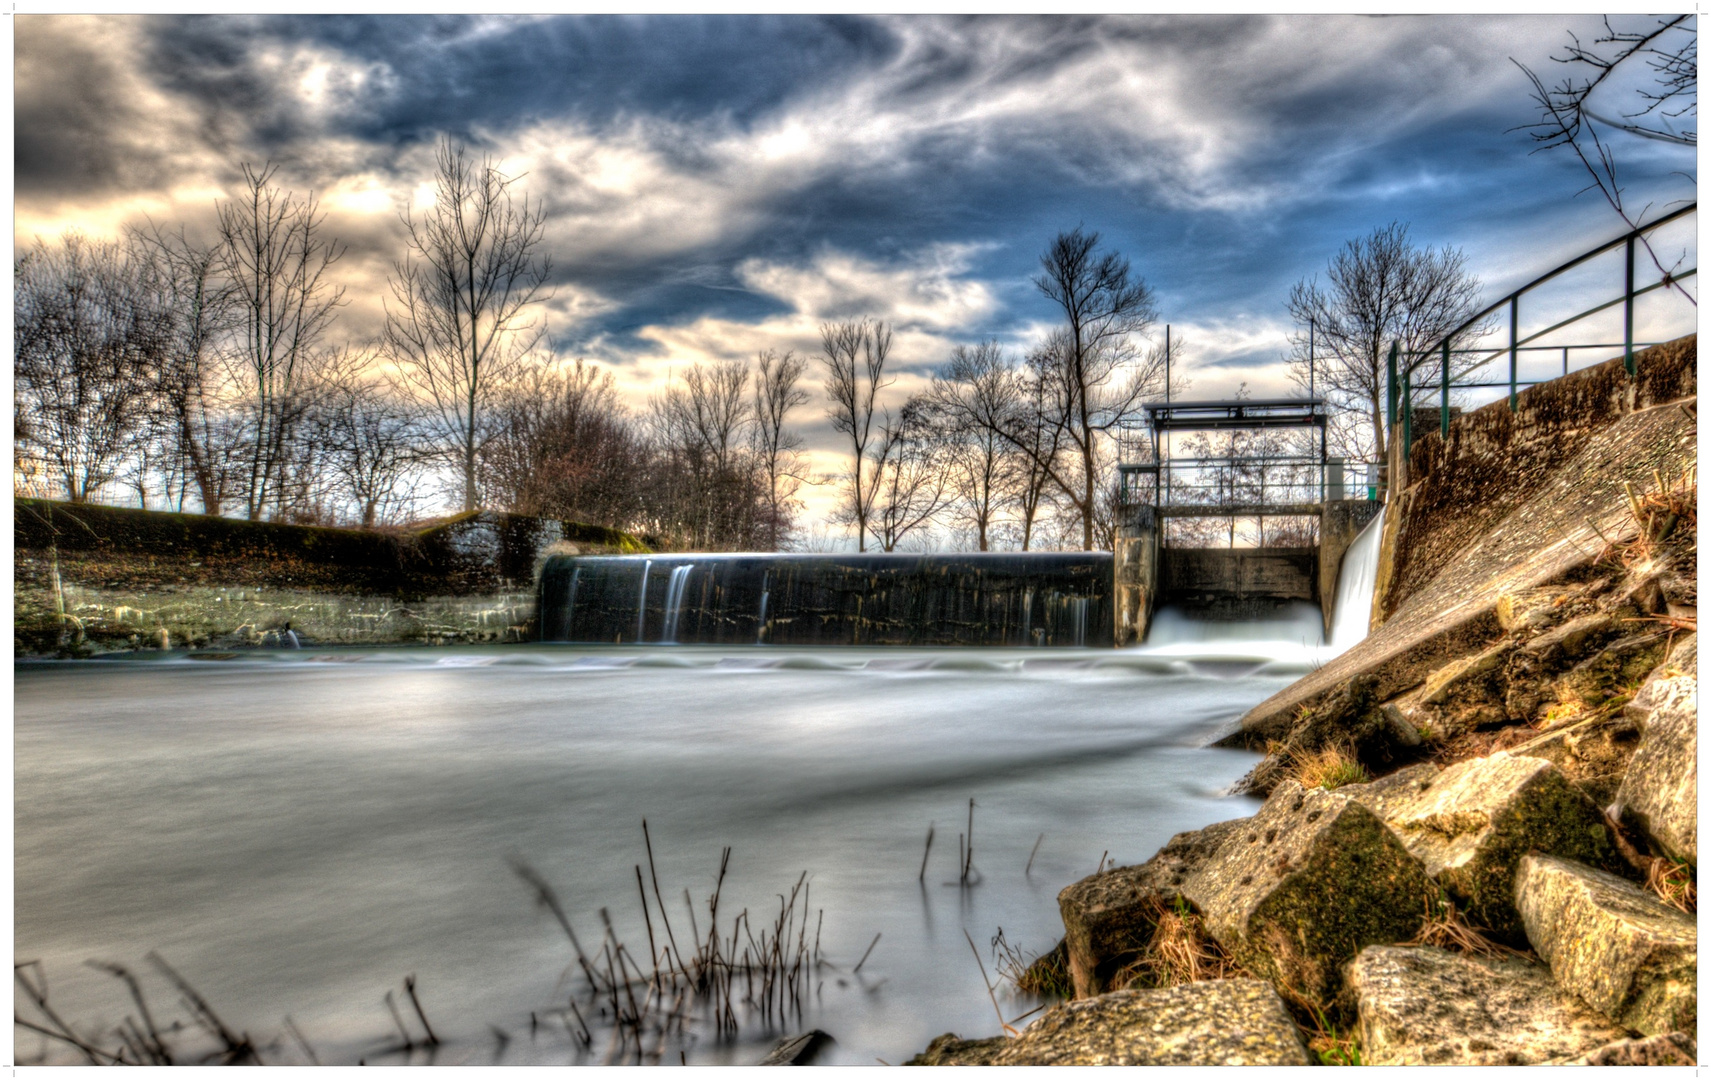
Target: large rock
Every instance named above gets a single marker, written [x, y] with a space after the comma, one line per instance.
[1108, 919]
[1471, 823]
[1309, 881]
[1623, 952]
[1466, 674]
[951, 1049]
[1427, 1006]
[1221, 1022]
[1660, 794]
[1678, 1048]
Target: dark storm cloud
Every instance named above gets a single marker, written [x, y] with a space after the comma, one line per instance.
[1228, 156]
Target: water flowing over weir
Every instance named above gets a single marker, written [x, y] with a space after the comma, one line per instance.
[1352, 614]
[1008, 598]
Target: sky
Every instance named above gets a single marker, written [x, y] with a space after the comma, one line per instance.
[718, 185]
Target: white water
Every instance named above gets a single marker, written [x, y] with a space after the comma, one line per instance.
[1351, 615]
[674, 600]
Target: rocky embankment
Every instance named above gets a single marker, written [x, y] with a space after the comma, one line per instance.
[1478, 843]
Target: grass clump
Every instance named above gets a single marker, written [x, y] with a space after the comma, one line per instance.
[1180, 952]
[1673, 882]
[1328, 767]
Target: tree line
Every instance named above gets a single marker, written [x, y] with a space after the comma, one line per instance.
[206, 377]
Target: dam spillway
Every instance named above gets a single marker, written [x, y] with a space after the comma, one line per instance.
[992, 598]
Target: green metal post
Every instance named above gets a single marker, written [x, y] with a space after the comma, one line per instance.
[1407, 415]
[1390, 387]
[1514, 336]
[1628, 316]
[1444, 402]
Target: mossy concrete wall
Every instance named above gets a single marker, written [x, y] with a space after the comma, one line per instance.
[1537, 493]
[1456, 490]
[90, 578]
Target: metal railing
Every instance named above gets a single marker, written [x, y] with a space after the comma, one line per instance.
[1248, 484]
[1400, 388]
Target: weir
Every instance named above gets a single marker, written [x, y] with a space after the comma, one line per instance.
[998, 598]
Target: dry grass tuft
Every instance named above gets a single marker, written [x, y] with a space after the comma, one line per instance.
[1328, 767]
[1180, 952]
[1674, 884]
[1448, 928]
[1046, 974]
[1667, 509]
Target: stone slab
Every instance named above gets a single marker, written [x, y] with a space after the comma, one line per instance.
[1624, 952]
[1660, 793]
[1312, 879]
[1471, 824]
[1426, 1006]
[1108, 918]
[1221, 1022]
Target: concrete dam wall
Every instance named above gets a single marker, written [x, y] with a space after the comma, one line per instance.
[1012, 598]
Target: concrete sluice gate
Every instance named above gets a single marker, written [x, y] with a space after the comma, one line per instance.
[997, 598]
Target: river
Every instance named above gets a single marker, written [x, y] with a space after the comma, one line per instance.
[297, 831]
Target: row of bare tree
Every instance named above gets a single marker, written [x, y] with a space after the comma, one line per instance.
[204, 376]
[998, 439]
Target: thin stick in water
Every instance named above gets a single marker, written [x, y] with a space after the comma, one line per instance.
[925, 852]
[410, 988]
[1008, 1030]
[865, 955]
[1031, 854]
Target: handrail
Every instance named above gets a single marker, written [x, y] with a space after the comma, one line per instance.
[1400, 388]
[1625, 238]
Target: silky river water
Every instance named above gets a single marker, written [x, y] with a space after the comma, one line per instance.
[296, 832]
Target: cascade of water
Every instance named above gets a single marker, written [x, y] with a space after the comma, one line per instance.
[1352, 615]
[642, 600]
[765, 595]
[1028, 617]
[570, 604]
[674, 600]
[1078, 611]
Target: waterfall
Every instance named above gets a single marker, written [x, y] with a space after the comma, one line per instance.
[765, 595]
[569, 619]
[642, 600]
[977, 598]
[674, 600]
[1352, 613]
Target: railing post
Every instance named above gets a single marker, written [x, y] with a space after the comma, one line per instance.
[1444, 402]
[1407, 415]
[1628, 315]
[1390, 387]
[1514, 336]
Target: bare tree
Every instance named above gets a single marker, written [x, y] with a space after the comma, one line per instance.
[562, 446]
[87, 340]
[909, 479]
[198, 304]
[976, 404]
[1644, 83]
[1380, 289]
[459, 322]
[705, 482]
[778, 449]
[373, 444]
[274, 260]
[1097, 375]
[854, 354]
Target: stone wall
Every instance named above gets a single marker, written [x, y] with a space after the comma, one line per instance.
[91, 578]
[1454, 491]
